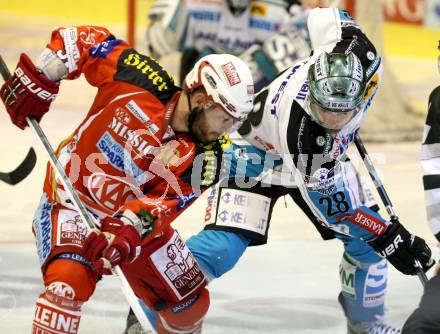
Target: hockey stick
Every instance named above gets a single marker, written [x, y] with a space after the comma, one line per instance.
[22, 171]
[82, 210]
[28, 164]
[384, 196]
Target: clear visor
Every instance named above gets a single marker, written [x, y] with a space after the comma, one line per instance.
[220, 120]
[332, 120]
[212, 122]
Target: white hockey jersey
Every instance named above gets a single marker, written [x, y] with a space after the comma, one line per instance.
[202, 24]
[281, 121]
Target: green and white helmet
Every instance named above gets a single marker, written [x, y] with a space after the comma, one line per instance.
[337, 85]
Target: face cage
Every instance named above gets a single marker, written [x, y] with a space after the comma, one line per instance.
[314, 113]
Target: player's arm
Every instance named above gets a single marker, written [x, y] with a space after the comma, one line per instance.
[182, 171]
[82, 50]
[71, 51]
[333, 30]
[335, 200]
[144, 218]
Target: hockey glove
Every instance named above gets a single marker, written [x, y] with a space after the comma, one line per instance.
[402, 249]
[28, 93]
[117, 244]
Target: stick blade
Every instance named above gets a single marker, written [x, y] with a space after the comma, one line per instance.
[22, 171]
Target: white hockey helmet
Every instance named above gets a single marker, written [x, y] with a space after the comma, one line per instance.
[227, 82]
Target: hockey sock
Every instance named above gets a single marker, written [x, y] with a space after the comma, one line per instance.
[185, 317]
[56, 315]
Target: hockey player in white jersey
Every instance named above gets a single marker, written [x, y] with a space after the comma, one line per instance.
[426, 318]
[430, 166]
[265, 34]
[295, 143]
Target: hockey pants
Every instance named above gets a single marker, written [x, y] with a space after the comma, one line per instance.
[363, 273]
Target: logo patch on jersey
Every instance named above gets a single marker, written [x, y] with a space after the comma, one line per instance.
[42, 225]
[186, 199]
[177, 267]
[368, 222]
[104, 48]
[122, 116]
[90, 36]
[71, 54]
[371, 91]
[243, 210]
[117, 156]
[231, 74]
[109, 191]
[320, 141]
[72, 231]
[137, 111]
[133, 138]
[322, 181]
[212, 200]
[145, 72]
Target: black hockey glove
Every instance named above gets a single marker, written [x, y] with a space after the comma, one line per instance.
[402, 249]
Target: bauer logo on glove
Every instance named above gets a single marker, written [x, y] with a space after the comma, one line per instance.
[28, 93]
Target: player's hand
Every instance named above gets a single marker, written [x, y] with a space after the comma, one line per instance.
[402, 249]
[116, 244]
[28, 93]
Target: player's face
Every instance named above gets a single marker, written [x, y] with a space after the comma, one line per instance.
[210, 124]
[331, 120]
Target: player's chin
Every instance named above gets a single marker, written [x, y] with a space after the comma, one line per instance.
[207, 139]
[203, 136]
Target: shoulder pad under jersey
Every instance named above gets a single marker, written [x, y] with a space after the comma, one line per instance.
[145, 72]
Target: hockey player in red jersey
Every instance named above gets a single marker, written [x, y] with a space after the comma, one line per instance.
[131, 160]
